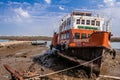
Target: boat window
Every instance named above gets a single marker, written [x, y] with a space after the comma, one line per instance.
[88, 22]
[92, 22]
[78, 21]
[89, 35]
[77, 35]
[64, 36]
[68, 21]
[83, 22]
[97, 23]
[83, 35]
[67, 35]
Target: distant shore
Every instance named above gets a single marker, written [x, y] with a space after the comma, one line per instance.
[115, 39]
[26, 38]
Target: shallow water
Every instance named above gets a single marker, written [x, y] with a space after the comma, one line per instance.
[4, 40]
[115, 45]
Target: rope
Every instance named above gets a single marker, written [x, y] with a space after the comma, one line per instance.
[69, 68]
[112, 77]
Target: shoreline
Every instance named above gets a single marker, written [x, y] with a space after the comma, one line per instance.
[3, 44]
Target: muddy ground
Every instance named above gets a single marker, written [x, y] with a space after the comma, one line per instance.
[24, 57]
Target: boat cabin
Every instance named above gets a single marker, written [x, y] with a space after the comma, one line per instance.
[78, 25]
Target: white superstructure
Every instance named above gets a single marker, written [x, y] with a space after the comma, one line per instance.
[80, 20]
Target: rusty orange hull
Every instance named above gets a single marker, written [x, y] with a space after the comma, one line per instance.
[83, 48]
[92, 38]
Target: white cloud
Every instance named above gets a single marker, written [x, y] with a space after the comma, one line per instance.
[22, 12]
[94, 1]
[100, 6]
[61, 8]
[39, 7]
[16, 16]
[112, 12]
[29, 18]
[48, 1]
[64, 1]
[110, 2]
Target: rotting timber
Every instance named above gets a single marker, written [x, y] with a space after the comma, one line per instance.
[81, 38]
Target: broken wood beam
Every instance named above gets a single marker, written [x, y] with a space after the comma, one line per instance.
[14, 73]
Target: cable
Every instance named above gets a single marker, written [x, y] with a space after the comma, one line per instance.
[69, 68]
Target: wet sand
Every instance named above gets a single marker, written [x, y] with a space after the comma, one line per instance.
[21, 55]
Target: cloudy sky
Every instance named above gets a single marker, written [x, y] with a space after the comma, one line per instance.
[41, 17]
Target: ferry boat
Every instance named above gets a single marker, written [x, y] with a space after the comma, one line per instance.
[81, 38]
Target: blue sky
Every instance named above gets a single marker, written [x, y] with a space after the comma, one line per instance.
[41, 17]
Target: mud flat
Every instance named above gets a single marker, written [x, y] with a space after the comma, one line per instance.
[111, 66]
[23, 56]
[18, 55]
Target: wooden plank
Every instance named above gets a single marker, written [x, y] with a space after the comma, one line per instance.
[13, 72]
